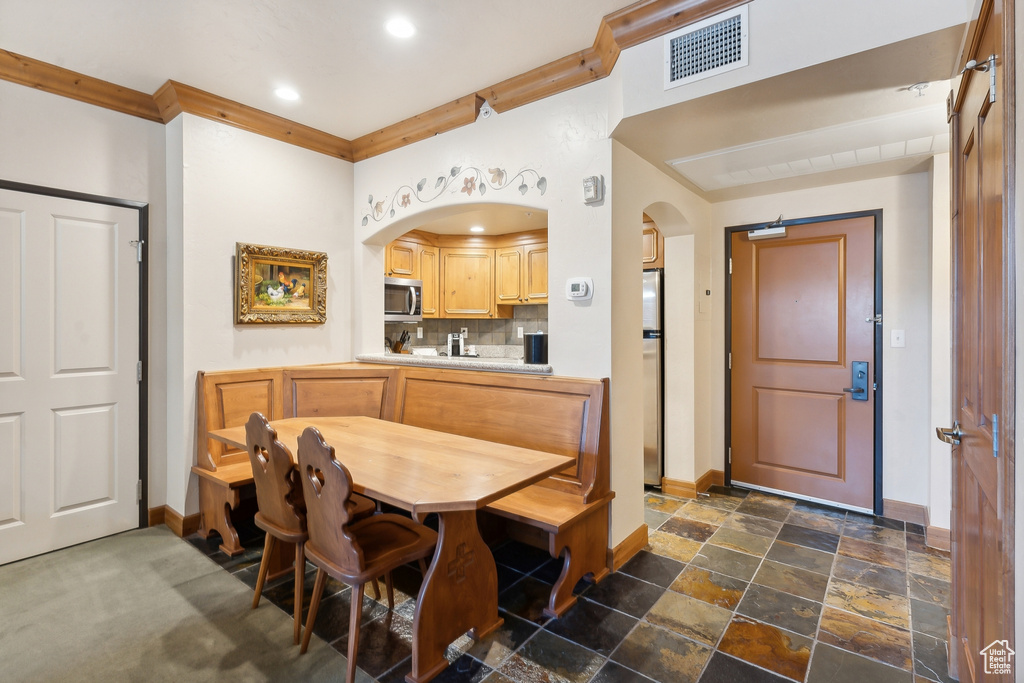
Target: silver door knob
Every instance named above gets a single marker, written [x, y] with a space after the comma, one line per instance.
[950, 436]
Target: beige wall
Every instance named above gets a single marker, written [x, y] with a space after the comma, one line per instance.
[231, 186]
[60, 143]
[908, 224]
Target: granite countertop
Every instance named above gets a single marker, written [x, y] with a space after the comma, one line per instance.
[493, 364]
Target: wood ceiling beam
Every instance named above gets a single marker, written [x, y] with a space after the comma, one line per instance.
[173, 98]
[630, 26]
[59, 81]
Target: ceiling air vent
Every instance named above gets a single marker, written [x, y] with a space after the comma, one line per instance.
[707, 48]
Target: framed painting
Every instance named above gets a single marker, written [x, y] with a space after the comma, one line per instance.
[278, 285]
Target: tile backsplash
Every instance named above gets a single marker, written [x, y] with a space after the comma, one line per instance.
[479, 331]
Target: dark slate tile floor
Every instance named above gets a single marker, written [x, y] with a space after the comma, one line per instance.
[734, 586]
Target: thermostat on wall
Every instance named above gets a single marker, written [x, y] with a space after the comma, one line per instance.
[593, 189]
[579, 288]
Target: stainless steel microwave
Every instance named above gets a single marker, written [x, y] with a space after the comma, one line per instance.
[403, 300]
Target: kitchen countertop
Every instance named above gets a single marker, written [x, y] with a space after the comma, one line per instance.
[458, 362]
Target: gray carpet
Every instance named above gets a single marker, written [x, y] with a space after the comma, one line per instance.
[145, 606]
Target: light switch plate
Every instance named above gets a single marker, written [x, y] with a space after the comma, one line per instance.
[898, 339]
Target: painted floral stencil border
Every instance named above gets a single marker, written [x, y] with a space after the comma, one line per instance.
[473, 180]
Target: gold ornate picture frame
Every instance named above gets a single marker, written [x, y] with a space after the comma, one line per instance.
[278, 285]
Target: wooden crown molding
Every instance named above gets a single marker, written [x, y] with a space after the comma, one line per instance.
[59, 81]
[428, 124]
[630, 26]
[173, 98]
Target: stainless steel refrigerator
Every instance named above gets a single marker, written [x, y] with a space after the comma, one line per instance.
[654, 459]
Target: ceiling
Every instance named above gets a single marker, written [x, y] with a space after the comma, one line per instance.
[353, 77]
[848, 119]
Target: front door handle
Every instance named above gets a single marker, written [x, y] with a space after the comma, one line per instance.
[950, 436]
[860, 381]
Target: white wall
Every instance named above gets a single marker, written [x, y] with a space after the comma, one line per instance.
[786, 35]
[56, 142]
[908, 223]
[241, 187]
[940, 485]
[565, 139]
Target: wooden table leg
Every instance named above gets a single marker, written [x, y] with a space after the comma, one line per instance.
[459, 594]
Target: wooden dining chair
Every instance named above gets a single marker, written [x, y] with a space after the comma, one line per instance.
[281, 509]
[350, 551]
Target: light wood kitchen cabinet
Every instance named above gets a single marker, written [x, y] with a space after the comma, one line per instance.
[467, 277]
[521, 274]
[471, 276]
[400, 259]
[654, 247]
[427, 257]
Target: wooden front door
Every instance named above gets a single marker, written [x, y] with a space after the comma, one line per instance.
[69, 399]
[983, 350]
[801, 325]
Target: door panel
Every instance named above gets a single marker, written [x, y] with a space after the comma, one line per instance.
[69, 398]
[983, 350]
[799, 310]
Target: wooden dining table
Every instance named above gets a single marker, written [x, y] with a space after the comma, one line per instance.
[425, 471]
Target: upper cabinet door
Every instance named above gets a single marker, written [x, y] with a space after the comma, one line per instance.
[508, 276]
[654, 256]
[428, 266]
[535, 273]
[400, 260]
[467, 277]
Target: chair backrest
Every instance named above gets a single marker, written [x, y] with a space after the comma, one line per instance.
[278, 494]
[326, 487]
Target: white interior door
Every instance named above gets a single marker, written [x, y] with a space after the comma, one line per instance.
[69, 399]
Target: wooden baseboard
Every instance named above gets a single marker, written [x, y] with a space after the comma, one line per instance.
[937, 537]
[934, 536]
[905, 512]
[689, 489]
[157, 515]
[678, 488]
[709, 479]
[181, 526]
[623, 552]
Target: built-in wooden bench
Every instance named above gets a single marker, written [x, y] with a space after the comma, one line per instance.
[565, 514]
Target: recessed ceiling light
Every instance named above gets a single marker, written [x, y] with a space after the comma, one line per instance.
[476, 228]
[287, 94]
[400, 27]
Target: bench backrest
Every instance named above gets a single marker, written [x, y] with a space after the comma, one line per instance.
[554, 414]
[227, 399]
[340, 390]
[567, 416]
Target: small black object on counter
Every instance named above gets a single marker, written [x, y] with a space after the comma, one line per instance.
[535, 348]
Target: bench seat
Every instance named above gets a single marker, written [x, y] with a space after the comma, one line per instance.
[219, 494]
[566, 514]
[573, 530]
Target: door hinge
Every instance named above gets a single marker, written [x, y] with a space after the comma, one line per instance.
[730, 360]
[138, 491]
[138, 372]
[995, 435]
[730, 455]
[138, 249]
[730, 265]
[988, 65]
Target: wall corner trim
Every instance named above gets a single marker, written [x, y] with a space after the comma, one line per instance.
[630, 546]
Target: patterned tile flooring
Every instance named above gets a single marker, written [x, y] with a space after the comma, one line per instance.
[735, 586]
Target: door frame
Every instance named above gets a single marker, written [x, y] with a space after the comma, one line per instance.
[143, 209]
[878, 347]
